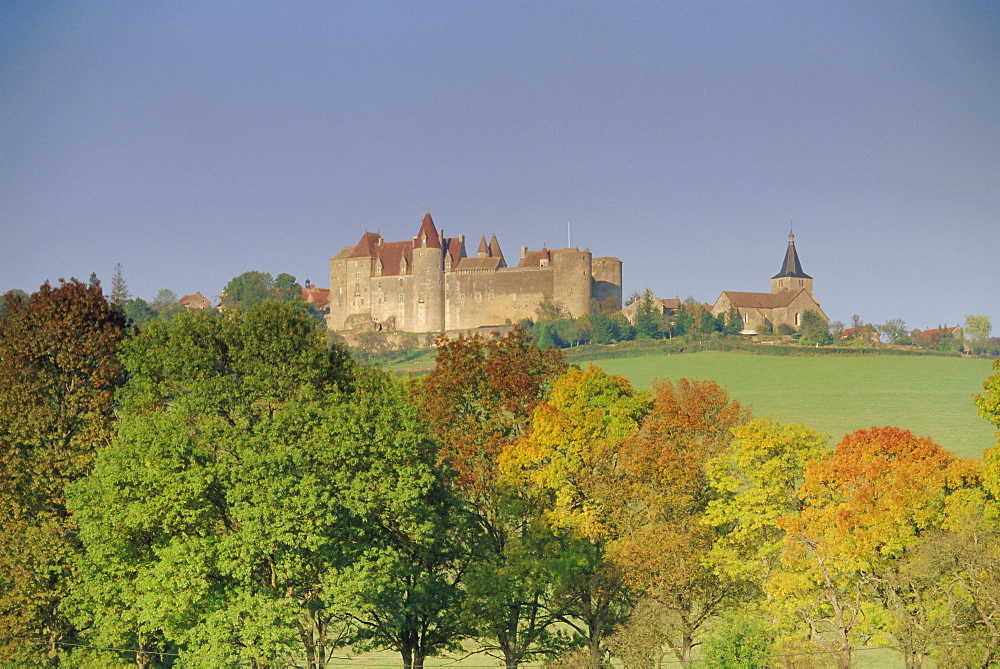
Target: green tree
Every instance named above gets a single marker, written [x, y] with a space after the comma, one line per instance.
[604, 329]
[165, 304]
[138, 312]
[286, 288]
[814, 329]
[739, 641]
[58, 373]
[247, 289]
[258, 493]
[119, 288]
[978, 329]
[893, 329]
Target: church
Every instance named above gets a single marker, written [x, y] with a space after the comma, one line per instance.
[791, 295]
[430, 284]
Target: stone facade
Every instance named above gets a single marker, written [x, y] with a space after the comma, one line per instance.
[430, 284]
[791, 295]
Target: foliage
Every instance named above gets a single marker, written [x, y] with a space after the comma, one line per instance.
[660, 543]
[255, 287]
[565, 467]
[477, 403]
[756, 479]
[865, 508]
[814, 329]
[119, 288]
[988, 403]
[739, 640]
[258, 492]
[893, 329]
[58, 373]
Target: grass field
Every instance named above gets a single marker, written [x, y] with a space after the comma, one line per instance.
[932, 396]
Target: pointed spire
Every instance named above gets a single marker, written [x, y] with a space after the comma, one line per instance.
[495, 251]
[791, 267]
[484, 250]
[427, 236]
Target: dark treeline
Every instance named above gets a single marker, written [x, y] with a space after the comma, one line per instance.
[229, 489]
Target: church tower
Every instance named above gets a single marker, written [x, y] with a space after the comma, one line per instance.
[791, 276]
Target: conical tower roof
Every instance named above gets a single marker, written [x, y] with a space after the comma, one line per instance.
[791, 267]
[427, 236]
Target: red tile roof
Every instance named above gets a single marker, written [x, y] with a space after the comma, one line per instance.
[762, 300]
[534, 258]
[427, 236]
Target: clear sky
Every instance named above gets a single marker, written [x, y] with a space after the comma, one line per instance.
[192, 141]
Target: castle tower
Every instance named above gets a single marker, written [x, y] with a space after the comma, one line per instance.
[571, 280]
[428, 279]
[791, 276]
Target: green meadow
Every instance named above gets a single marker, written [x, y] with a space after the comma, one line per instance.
[929, 395]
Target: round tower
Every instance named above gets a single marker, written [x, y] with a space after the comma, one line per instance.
[572, 279]
[428, 279]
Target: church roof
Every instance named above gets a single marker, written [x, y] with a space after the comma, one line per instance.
[762, 300]
[791, 267]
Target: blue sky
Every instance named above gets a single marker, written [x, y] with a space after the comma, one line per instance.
[192, 141]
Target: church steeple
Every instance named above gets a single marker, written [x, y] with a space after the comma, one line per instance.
[791, 276]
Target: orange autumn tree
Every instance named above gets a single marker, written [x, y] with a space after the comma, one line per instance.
[866, 507]
[661, 541]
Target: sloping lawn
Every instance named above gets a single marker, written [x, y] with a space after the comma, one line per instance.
[932, 396]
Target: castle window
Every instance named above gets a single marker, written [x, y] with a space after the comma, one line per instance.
[401, 298]
[378, 268]
[420, 299]
[357, 289]
[479, 297]
[802, 283]
[796, 318]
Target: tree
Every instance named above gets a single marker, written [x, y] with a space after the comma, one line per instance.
[865, 508]
[138, 312]
[988, 403]
[260, 490]
[9, 296]
[247, 289]
[978, 329]
[566, 464]
[893, 329]
[814, 329]
[286, 288]
[755, 480]
[478, 402]
[660, 541]
[165, 304]
[119, 289]
[58, 373]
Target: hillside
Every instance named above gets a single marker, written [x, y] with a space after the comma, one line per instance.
[930, 395]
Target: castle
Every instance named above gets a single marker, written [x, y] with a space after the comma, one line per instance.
[430, 284]
[791, 296]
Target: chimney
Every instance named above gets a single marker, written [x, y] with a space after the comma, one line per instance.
[524, 252]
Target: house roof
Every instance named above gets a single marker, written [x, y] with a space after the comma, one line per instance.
[477, 263]
[791, 267]
[195, 302]
[534, 258]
